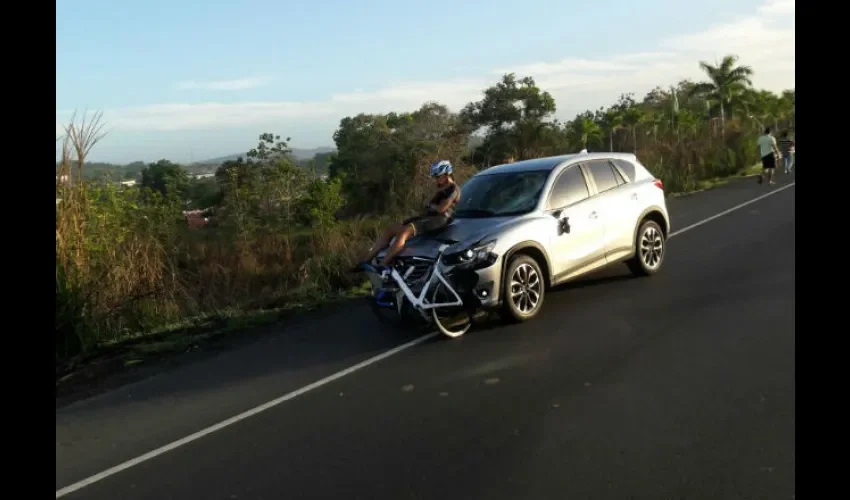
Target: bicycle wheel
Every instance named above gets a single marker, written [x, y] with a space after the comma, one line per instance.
[450, 321]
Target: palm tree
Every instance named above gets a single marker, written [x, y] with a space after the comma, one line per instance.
[774, 110]
[688, 122]
[727, 81]
[760, 106]
[654, 121]
[609, 120]
[632, 117]
[787, 106]
[583, 129]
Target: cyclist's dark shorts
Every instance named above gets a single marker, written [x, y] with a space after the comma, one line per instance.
[426, 223]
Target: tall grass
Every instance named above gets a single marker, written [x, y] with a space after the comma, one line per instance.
[113, 248]
[126, 262]
[682, 162]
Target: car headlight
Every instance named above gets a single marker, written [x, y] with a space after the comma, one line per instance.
[478, 255]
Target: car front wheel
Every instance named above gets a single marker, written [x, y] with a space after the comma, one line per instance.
[523, 289]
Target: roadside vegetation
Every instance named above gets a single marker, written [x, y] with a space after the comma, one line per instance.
[278, 237]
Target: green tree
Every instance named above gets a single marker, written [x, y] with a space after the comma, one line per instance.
[609, 120]
[633, 116]
[515, 114]
[318, 165]
[655, 120]
[237, 173]
[789, 103]
[167, 178]
[204, 193]
[323, 201]
[382, 160]
[283, 185]
[270, 148]
[584, 130]
[264, 191]
[367, 154]
[726, 82]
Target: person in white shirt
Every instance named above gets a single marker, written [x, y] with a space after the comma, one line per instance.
[769, 154]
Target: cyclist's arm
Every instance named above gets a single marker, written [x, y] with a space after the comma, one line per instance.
[445, 204]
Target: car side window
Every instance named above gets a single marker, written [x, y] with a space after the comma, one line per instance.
[603, 175]
[569, 188]
[627, 168]
[619, 176]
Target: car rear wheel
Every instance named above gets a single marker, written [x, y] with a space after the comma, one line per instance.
[650, 248]
[523, 289]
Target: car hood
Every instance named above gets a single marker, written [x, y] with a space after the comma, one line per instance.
[460, 230]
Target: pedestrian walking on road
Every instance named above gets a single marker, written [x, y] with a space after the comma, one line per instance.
[786, 147]
[769, 156]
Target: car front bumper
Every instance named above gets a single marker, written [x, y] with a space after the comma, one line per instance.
[489, 284]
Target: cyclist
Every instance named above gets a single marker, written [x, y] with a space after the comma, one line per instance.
[439, 213]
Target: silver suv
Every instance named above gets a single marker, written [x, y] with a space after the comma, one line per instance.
[527, 226]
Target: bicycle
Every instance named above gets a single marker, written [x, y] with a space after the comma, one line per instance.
[406, 290]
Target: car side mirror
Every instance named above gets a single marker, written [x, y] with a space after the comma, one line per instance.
[563, 226]
[563, 223]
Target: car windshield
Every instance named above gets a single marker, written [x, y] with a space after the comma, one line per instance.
[498, 195]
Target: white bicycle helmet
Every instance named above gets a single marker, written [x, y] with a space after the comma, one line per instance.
[442, 167]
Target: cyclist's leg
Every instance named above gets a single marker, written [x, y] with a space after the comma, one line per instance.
[384, 240]
[406, 231]
[419, 225]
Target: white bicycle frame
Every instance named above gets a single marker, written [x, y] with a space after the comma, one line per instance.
[421, 303]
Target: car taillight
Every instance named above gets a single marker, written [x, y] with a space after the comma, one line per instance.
[659, 184]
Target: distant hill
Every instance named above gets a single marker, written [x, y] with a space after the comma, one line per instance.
[99, 170]
[302, 156]
[298, 153]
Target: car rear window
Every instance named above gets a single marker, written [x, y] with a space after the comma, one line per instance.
[603, 175]
[627, 168]
[619, 176]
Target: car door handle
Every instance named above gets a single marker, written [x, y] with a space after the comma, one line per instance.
[592, 215]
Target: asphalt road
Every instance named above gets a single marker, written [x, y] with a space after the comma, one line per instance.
[677, 386]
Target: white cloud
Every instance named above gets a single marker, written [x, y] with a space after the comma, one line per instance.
[752, 35]
[644, 56]
[238, 84]
[171, 117]
[764, 40]
[567, 65]
[778, 7]
[409, 95]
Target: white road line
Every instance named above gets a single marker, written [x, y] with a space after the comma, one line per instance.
[242, 416]
[726, 212]
[307, 388]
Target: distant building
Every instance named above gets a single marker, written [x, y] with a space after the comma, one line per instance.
[196, 218]
[203, 176]
[129, 183]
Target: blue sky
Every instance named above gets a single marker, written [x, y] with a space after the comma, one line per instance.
[190, 80]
